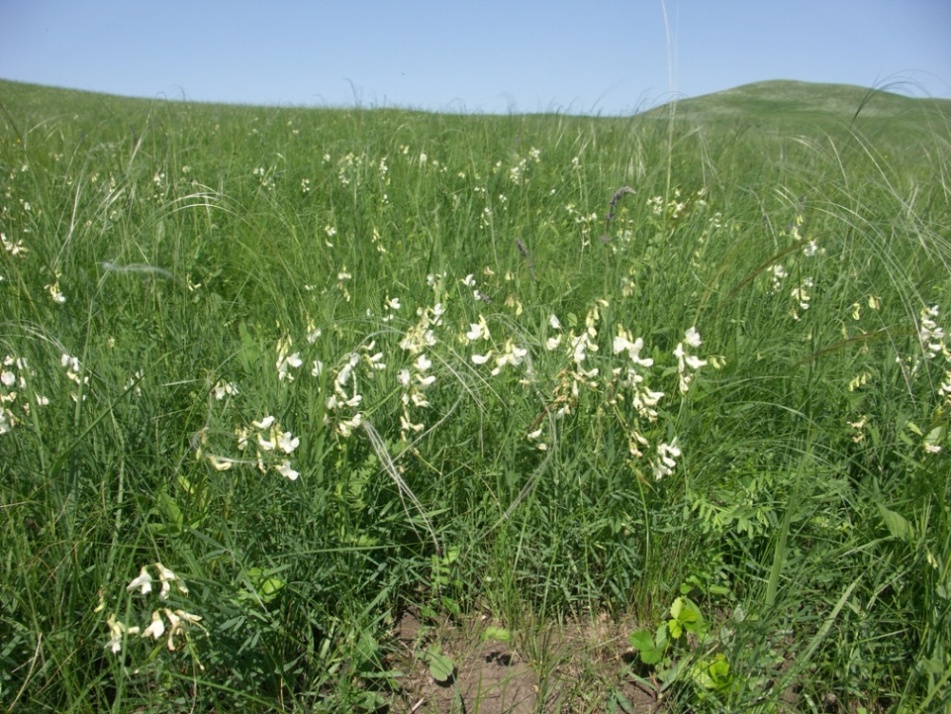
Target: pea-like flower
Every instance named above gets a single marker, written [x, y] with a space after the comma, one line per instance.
[156, 629]
[287, 471]
[143, 583]
[666, 463]
[287, 442]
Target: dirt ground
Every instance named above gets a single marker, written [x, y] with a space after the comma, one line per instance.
[570, 668]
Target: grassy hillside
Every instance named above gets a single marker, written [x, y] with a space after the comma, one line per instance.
[366, 410]
[777, 98]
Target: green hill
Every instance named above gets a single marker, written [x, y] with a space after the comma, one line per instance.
[787, 102]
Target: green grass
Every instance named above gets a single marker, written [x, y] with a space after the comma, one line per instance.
[410, 297]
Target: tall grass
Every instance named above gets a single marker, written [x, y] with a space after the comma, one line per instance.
[326, 365]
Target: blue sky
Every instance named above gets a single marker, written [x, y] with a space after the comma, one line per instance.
[585, 56]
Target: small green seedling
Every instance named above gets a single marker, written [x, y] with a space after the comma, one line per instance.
[656, 649]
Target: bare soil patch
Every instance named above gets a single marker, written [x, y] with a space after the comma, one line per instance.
[571, 667]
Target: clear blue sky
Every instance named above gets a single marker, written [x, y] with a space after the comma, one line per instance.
[584, 56]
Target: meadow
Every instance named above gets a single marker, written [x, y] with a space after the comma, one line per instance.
[650, 413]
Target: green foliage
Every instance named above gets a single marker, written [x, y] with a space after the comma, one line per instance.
[679, 650]
[322, 365]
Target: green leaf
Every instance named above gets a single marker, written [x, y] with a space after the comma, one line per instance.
[712, 674]
[170, 513]
[719, 671]
[898, 526]
[643, 642]
[441, 667]
[499, 634]
[936, 436]
[250, 353]
[367, 647]
[266, 586]
[686, 616]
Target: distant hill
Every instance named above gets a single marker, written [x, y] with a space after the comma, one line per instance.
[789, 101]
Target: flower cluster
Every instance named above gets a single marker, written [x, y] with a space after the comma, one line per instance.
[342, 405]
[416, 379]
[687, 364]
[286, 362]
[14, 248]
[934, 344]
[271, 443]
[931, 335]
[265, 177]
[224, 389]
[75, 373]
[675, 205]
[518, 173]
[626, 383]
[14, 372]
[56, 293]
[631, 380]
[178, 621]
[665, 463]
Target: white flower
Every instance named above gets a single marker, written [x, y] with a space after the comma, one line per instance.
[469, 281]
[265, 423]
[176, 625]
[406, 425]
[665, 463]
[347, 426]
[287, 471]
[474, 333]
[481, 359]
[478, 330]
[117, 631]
[156, 629]
[177, 621]
[55, 293]
[579, 349]
[694, 362]
[223, 389]
[143, 582]
[622, 343]
[219, 463]
[419, 400]
[71, 363]
[692, 337]
[511, 355]
[287, 442]
[167, 576]
[284, 363]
